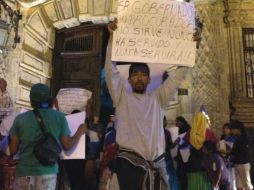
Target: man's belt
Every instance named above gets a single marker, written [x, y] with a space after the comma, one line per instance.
[149, 166]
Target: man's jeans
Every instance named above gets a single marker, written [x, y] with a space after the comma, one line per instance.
[43, 182]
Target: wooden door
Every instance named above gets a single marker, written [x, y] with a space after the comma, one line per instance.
[78, 59]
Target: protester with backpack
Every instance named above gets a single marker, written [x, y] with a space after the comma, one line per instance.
[25, 133]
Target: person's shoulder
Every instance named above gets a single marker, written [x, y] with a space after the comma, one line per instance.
[25, 114]
[54, 111]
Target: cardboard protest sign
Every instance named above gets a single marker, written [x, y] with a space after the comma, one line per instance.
[70, 99]
[79, 149]
[155, 31]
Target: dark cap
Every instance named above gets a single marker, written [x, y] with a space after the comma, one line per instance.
[40, 93]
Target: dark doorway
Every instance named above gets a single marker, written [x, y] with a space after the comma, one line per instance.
[78, 58]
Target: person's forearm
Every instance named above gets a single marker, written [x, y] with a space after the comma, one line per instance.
[167, 90]
[177, 76]
[14, 144]
[113, 78]
[108, 61]
[70, 141]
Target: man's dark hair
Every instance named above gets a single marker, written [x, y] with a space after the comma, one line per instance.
[210, 146]
[235, 124]
[185, 125]
[136, 65]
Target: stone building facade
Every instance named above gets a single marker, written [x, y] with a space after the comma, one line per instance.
[217, 78]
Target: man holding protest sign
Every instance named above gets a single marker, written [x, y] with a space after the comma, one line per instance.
[140, 162]
[151, 32]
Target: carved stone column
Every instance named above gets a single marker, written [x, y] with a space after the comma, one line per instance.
[240, 16]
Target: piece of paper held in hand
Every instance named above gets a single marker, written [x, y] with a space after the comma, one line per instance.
[79, 149]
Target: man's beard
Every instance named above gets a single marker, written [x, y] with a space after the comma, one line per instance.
[139, 90]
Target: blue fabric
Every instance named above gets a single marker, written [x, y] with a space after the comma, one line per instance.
[93, 150]
[110, 136]
[173, 181]
[230, 139]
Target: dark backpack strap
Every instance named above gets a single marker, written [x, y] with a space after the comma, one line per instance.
[39, 120]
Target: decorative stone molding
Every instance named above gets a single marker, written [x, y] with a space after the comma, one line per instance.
[70, 13]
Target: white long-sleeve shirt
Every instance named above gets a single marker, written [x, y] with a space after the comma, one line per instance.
[140, 116]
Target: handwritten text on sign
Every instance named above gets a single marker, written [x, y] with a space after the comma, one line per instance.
[70, 99]
[155, 31]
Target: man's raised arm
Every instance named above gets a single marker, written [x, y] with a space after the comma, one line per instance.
[113, 78]
[167, 90]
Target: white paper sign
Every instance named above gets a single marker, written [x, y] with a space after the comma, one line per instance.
[78, 151]
[155, 31]
[70, 99]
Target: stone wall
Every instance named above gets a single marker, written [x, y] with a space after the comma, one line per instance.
[31, 62]
[240, 15]
[208, 82]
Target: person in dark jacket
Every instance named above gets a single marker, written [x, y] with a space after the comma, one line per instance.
[240, 152]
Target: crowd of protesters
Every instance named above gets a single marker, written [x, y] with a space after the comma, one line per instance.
[202, 162]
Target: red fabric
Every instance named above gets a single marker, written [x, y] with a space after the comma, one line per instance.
[209, 136]
[109, 154]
